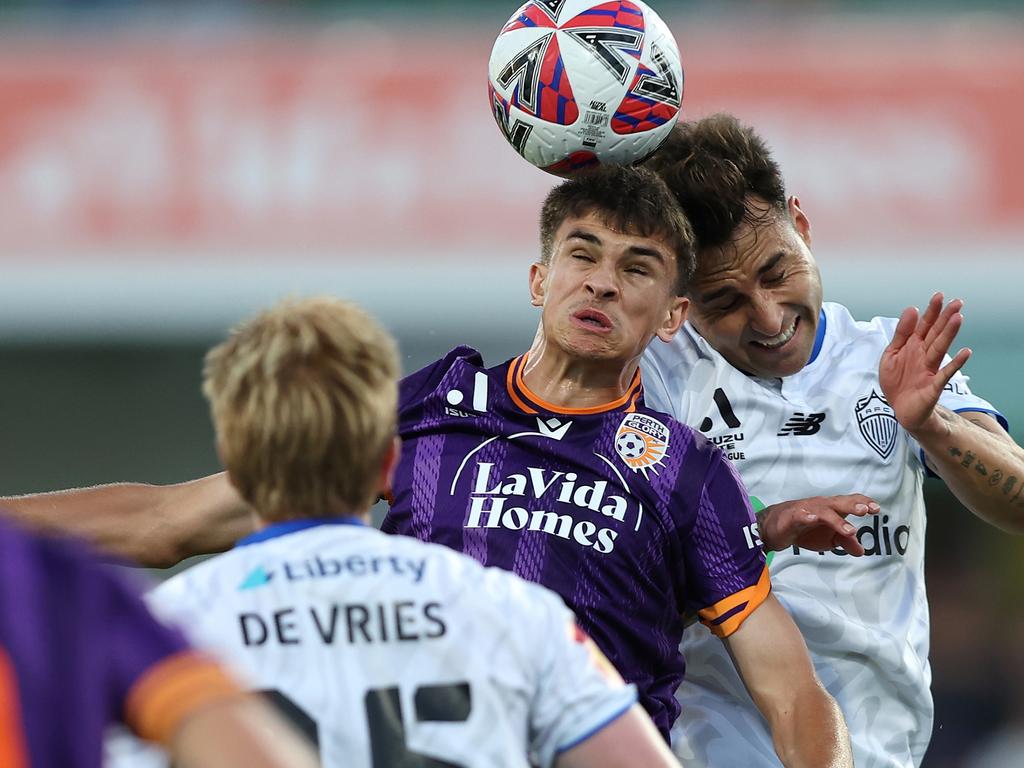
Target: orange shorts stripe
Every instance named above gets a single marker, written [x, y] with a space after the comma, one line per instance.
[736, 607]
[173, 689]
[13, 752]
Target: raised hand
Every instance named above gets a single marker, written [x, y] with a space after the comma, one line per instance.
[911, 371]
[818, 523]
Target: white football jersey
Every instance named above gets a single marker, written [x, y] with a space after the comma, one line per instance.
[826, 430]
[395, 652]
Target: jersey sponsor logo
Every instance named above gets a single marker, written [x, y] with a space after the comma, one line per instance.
[642, 442]
[802, 425]
[877, 423]
[729, 442]
[879, 538]
[724, 410]
[955, 387]
[320, 567]
[478, 398]
[493, 504]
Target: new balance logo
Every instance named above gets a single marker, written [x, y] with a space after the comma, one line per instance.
[802, 424]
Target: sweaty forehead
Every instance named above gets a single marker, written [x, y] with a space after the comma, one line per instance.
[752, 247]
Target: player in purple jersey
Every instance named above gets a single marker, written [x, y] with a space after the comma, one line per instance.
[550, 465]
[79, 651]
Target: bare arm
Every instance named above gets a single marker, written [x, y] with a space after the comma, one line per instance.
[979, 461]
[630, 740]
[239, 733]
[152, 525]
[806, 724]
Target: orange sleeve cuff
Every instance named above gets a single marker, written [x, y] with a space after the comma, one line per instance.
[13, 750]
[725, 617]
[171, 690]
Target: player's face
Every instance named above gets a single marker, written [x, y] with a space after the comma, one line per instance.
[757, 299]
[606, 293]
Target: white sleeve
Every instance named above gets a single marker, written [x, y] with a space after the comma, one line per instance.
[578, 691]
[657, 394]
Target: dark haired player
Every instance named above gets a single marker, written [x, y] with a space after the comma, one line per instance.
[810, 401]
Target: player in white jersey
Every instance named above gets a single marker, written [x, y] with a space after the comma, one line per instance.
[386, 650]
[808, 402]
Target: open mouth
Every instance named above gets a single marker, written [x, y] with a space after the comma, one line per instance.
[592, 319]
[779, 341]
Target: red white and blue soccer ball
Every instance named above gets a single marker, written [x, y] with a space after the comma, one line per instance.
[575, 83]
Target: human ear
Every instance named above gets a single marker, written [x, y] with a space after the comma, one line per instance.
[538, 282]
[674, 318]
[801, 223]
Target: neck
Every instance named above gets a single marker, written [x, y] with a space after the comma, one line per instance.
[569, 381]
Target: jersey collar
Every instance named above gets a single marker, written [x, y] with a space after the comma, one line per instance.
[819, 338]
[528, 402]
[274, 530]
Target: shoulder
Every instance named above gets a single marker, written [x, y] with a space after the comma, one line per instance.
[675, 356]
[417, 385]
[844, 327]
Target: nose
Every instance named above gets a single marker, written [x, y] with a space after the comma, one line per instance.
[601, 281]
[766, 316]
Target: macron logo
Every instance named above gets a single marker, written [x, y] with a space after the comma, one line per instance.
[258, 577]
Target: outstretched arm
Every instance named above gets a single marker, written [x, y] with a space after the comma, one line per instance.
[152, 525]
[979, 461]
[631, 740]
[806, 724]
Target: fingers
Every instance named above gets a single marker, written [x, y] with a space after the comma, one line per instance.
[850, 544]
[856, 504]
[931, 314]
[941, 337]
[942, 319]
[843, 533]
[954, 365]
[904, 328]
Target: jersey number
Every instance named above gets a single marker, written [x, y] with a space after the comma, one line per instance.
[449, 703]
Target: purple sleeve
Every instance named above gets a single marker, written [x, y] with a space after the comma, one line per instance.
[78, 636]
[726, 576]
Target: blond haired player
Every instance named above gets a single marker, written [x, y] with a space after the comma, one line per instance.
[386, 650]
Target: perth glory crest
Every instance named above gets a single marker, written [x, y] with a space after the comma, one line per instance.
[642, 442]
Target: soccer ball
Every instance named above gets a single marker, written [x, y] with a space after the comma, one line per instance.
[575, 83]
[630, 445]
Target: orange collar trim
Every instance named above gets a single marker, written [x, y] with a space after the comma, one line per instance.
[528, 402]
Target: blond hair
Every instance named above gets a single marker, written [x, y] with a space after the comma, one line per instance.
[304, 398]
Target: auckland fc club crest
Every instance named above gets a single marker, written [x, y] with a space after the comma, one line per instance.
[642, 442]
[877, 423]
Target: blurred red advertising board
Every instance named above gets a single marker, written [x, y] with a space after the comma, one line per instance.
[371, 140]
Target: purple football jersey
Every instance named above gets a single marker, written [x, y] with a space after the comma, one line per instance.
[78, 651]
[633, 518]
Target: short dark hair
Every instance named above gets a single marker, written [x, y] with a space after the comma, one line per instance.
[713, 166]
[632, 200]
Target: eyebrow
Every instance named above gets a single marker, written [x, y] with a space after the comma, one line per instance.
[767, 267]
[636, 250]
